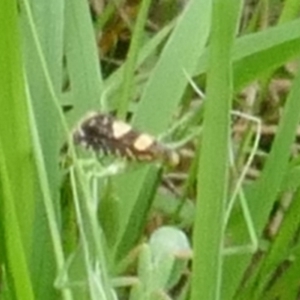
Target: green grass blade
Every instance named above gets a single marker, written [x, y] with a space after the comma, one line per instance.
[166, 85]
[268, 185]
[290, 11]
[82, 59]
[15, 260]
[132, 59]
[255, 54]
[39, 38]
[133, 207]
[17, 171]
[213, 162]
[279, 250]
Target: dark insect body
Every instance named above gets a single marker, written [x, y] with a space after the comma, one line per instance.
[103, 133]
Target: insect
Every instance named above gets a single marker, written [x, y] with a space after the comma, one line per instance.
[103, 133]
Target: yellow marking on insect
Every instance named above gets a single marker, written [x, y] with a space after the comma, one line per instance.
[173, 158]
[143, 142]
[120, 129]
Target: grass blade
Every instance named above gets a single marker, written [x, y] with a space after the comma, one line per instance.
[213, 162]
